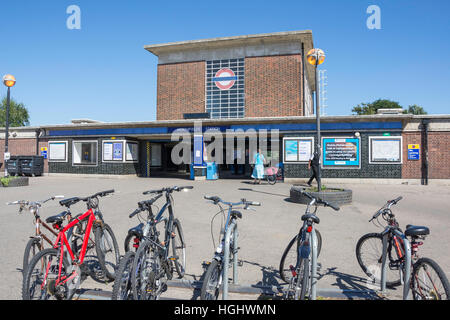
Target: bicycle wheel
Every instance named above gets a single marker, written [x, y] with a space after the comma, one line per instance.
[271, 179]
[122, 289]
[212, 282]
[39, 281]
[369, 252]
[131, 242]
[107, 250]
[178, 248]
[147, 279]
[428, 281]
[289, 257]
[33, 246]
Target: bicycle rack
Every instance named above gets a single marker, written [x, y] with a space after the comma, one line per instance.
[407, 267]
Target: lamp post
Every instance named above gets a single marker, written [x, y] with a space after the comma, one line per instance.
[9, 81]
[316, 57]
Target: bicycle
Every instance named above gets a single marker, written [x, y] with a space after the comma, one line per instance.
[122, 289]
[304, 274]
[216, 276]
[152, 265]
[392, 251]
[54, 273]
[36, 242]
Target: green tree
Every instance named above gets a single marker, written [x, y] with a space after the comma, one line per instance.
[18, 114]
[372, 107]
[415, 109]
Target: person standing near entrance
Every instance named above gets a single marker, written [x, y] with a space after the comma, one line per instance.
[258, 171]
[314, 165]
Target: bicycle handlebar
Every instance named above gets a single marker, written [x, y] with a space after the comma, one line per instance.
[216, 200]
[387, 206]
[319, 200]
[168, 189]
[144, 205]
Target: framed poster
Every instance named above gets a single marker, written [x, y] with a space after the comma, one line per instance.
[57, 151]
[117, 151]
[131, 151]
[341, 153]
[385, 150]
[297, 149]
[107, 151]
[198, 150]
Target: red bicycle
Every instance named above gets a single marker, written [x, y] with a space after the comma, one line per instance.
[57, 272]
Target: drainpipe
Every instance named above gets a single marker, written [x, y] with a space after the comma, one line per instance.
[38, 133]
[424, 137]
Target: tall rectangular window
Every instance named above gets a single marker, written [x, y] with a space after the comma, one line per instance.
[225, 94]
[84, 152]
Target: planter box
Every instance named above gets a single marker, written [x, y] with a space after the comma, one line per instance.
[17, 182]
[332, 195]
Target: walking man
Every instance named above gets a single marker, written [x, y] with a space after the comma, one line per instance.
[314, 165]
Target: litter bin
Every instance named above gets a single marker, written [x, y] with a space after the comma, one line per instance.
[211, 171]
[12, 166]
[31, 165]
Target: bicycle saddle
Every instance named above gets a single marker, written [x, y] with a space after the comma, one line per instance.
[416, 230]
[69, 202]
[58, 218]
[311, 216]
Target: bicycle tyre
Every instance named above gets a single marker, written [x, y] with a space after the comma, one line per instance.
[214, 273]
[271, 179]
[418, 294]
[32, 248]
[122, 289]
[145, 265]
[284, 270]
[129, 242]
[29, 272]
[179, 249]
[368, 268]
[108, 267]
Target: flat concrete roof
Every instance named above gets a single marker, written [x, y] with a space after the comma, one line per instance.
[276, 43]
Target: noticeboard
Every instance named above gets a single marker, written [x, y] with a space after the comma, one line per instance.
[341, 152]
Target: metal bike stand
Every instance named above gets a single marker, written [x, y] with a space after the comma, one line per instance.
[313, 265]
[226, 253]
[407, 266]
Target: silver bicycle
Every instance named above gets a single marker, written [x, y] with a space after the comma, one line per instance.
[216, 276]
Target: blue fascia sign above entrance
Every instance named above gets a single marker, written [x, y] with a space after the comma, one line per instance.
[269, 126]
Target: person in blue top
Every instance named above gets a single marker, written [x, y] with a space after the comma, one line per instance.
[258, 170]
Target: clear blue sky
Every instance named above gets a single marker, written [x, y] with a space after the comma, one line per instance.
[102, 71]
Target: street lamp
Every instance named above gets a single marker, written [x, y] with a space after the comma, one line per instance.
[316, 57]
[9, 81]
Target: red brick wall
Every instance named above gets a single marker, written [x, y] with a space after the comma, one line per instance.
[180, 89]
[25, 147]
[438, 156]
[273, 86]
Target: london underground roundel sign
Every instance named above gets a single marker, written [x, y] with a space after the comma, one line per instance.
[224, 79]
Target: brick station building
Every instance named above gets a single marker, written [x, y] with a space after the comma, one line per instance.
[233, 85]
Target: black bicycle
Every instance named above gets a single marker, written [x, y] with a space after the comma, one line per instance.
[122, 289]
[152, 264]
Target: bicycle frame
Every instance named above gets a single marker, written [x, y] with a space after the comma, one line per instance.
[231, 226]
[62, 242]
